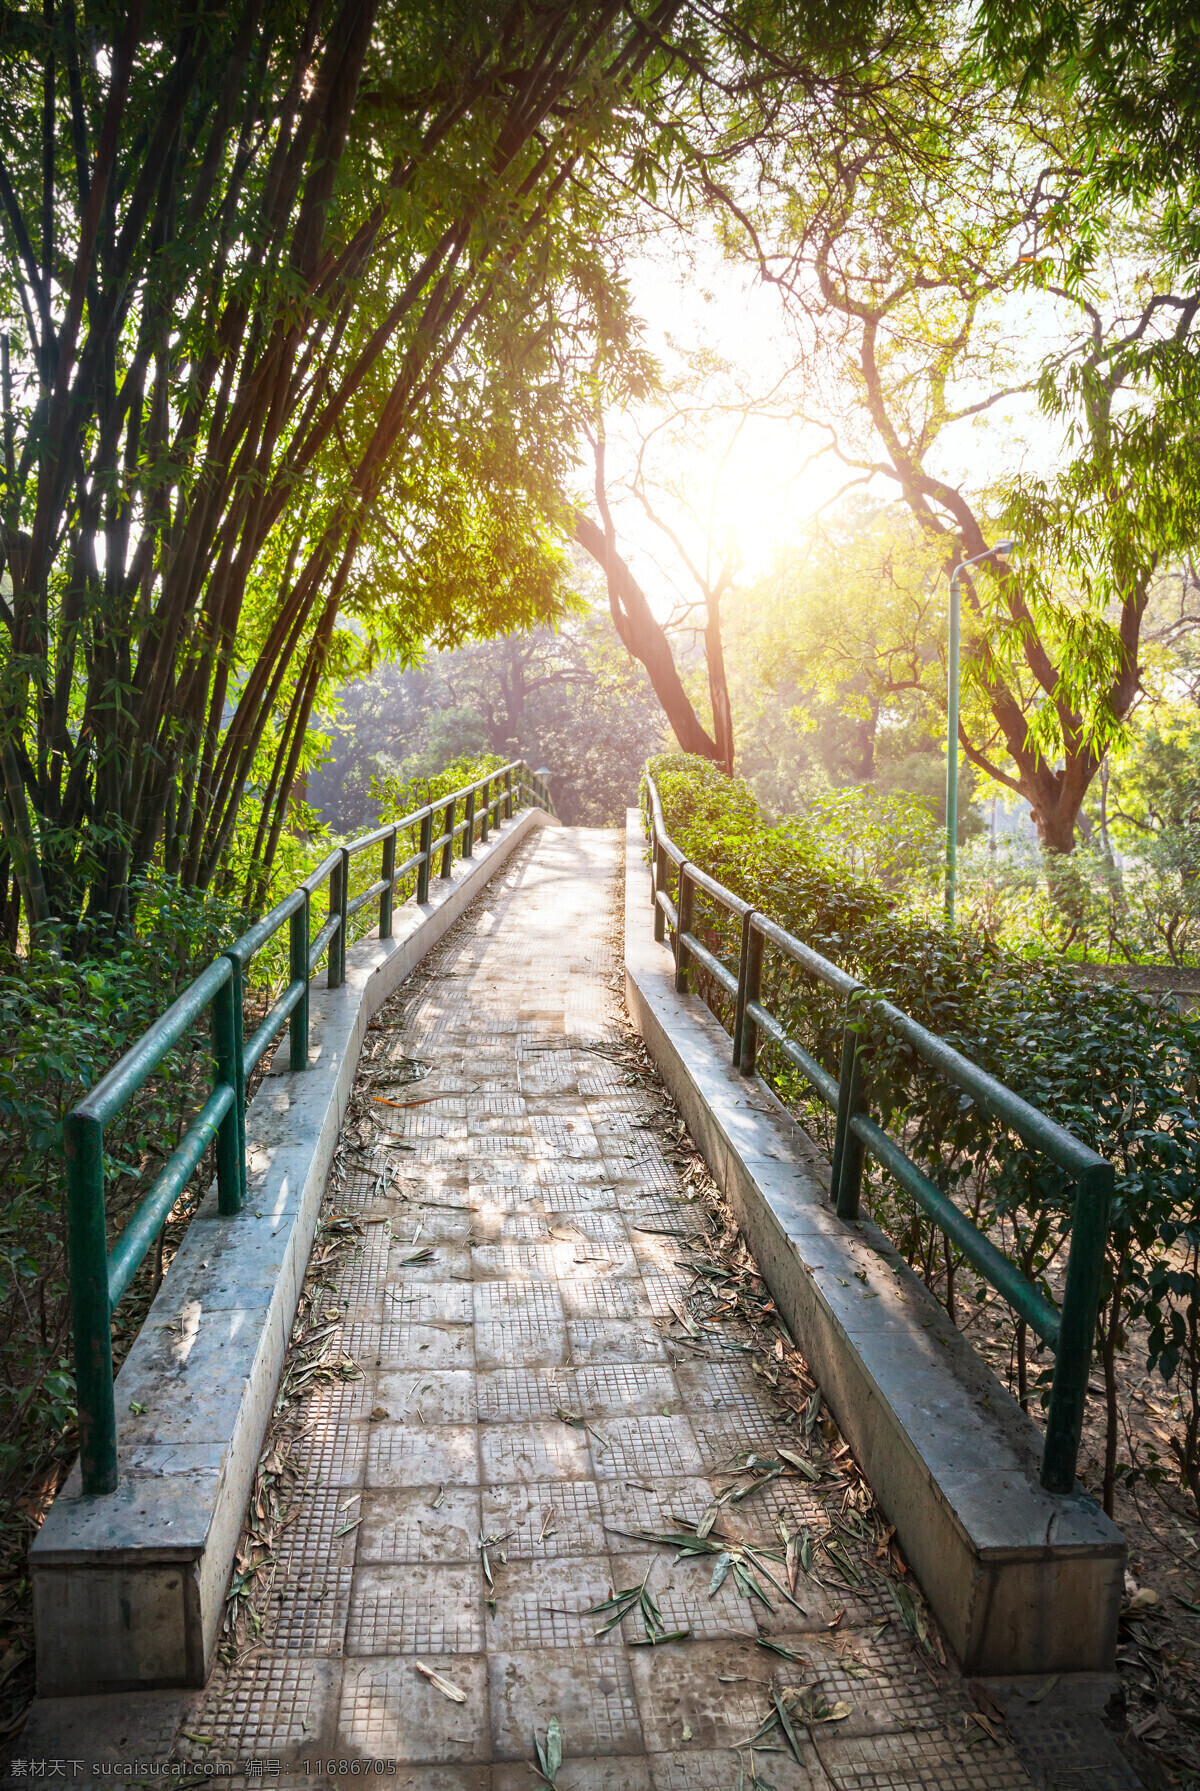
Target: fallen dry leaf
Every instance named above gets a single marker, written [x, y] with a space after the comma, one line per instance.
[447, 1688]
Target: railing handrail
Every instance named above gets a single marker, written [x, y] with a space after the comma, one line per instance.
[99, 1277]
[1069, 1331]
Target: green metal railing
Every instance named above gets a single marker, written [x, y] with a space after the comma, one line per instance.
[99, 1277]
[1069, 1331]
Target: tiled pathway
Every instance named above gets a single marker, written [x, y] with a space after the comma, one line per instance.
[519, 1385]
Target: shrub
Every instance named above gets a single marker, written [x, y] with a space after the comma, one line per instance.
[1116, 1068]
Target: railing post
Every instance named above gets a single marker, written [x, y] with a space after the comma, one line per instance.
[388, 873]
[683, 919]
[468, 845]
[739, 1017]
[1077, 1328]
[298, 954]
[448, 848]
[228, 1068]
[748, 1054]
[845, 1178]
[425, 848]
[508, 796]
[485, 824]
[87, 1251]
[660, 883]
[339, 879]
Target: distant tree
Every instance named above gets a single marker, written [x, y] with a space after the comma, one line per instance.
[570, 699]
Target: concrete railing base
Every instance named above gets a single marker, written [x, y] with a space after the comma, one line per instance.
[129, 1587]
[1021, 1581]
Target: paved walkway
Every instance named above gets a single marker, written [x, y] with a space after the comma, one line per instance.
[512, 1321]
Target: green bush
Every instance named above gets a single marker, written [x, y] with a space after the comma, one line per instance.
[1116, 1068]
[65, 1024]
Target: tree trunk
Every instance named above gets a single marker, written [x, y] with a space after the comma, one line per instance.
[718, 689]
[642, 635]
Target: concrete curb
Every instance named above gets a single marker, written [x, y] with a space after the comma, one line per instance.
[1021, 1581]
[129, 1588]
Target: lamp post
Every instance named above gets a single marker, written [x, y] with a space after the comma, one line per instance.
[952, 723]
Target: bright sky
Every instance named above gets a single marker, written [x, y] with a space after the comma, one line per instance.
[764, 486]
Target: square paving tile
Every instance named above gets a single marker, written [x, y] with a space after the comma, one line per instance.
[723, 1437]
[275, 1703]
[616, 1388]
[646, 1448]
[407, 1345]
[422, 1455]
[610, 1340]
[510, 1394]
[523, 1228]
[590, 1690]
[567, 1200]
[421, 1225]
[332, 1456]
[542, 1604]
[428, 1396]
[880, 1676]
[637, 1504]
[543, 1520]
[390, 1710]
[536, 1303]
[418, 1608]
[420, 1523]
[602, 1297]
[583, 1172]
[409, 1299]
[717, 1689]
[681, 1591]
[522, 1339]
[522, 1262]
[306, 1612]
[541, 1450]
[321, 1532]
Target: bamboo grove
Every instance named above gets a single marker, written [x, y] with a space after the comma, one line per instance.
[298, 287]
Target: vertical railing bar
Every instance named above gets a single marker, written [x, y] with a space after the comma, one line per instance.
[343, 916]
[845, 1179]
[388, 874]
[1077, 1328]
[485, 824]
[228, 1068]
[748, 1055]
[87, 1252]
[448, 848]
[739, 1016]
[653, 864]
[298, 953]
[683, 914]
[338, 879]
[468, 846]
[508, 796]
[425, 847]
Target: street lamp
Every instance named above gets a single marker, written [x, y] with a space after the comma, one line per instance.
[952, 723]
